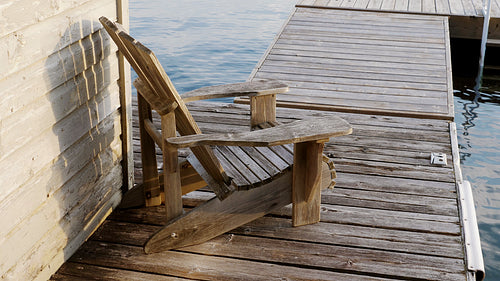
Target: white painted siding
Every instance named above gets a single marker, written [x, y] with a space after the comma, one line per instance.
[60, 130]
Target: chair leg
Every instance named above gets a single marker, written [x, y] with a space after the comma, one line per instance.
[172, 175]
[190, 181]
[306, 189]
[151, 184]
[216, 217]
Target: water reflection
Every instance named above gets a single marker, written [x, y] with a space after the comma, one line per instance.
[478, 124]
[194, 44]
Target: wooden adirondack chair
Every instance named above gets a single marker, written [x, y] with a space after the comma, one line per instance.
[250, 172]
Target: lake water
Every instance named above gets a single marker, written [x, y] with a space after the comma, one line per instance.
[206, 42]
[478, 125]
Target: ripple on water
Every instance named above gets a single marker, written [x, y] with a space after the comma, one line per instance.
[478, 125]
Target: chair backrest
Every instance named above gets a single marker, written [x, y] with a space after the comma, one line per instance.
[151, 73]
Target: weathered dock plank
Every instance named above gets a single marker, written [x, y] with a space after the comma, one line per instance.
[466, 16]
[392, 215]
[439, 7]
[363, 62]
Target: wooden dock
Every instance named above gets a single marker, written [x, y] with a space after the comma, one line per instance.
[470, 8]
[365, 62]
[465, 16]
[391, 216]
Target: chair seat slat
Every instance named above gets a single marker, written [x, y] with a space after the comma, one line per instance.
[238, 178]
[249, 163]
[247, 172]
[239, 165]
[276, 160]
[282, 152]
[261, 160]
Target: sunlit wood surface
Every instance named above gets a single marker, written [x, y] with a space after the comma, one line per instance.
[392, 215]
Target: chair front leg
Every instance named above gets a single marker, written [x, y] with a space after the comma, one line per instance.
[306, 186]
[172, 177]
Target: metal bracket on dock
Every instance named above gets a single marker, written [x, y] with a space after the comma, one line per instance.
[438, 159]
[475, 263]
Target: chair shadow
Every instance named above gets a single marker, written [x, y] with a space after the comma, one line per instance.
[87, 130]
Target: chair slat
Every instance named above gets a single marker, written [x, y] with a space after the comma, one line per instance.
[276, 160]
[238, 164]
[250, 163]
[261, 160]
[238, 179]
[286, 155]
[246, 165]
[114, 29]
[150, 71]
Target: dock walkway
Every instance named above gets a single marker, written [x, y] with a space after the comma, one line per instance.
[468, 8]
[391, 216]
[465, 16]
[366, 62]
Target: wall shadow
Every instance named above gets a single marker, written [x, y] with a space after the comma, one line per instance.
[83, 100]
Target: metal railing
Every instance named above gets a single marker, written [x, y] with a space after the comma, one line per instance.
[484, 40]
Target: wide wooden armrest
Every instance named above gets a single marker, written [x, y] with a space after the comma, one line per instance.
[299, 131]
[254, 88]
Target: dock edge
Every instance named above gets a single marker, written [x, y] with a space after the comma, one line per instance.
[472, 243]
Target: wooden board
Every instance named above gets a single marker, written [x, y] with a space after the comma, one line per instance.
[37, 41]
[439, 7]
[362, 62]
[391, 216]
[466, 15]
[61, 136]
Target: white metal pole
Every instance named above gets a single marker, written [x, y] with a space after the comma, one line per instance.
[484, 39]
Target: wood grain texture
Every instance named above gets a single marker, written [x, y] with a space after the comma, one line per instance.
[306, 191]
[254, 88]
[61, 129]
[207, 268]
[466, 8]
[106, 134]
[262, 110]
[334, 61]
[46, 36]
[160, 105]
[19, 94]
[60, 137]
[84, 272]
[300, 131]
[216, 217]
[151, 184]
[171, 170]
[153, 75]
[392, 216]
[378, 221]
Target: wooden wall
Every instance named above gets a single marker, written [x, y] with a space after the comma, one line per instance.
[61, 129]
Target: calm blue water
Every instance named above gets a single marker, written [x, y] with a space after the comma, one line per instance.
[478, 125]
[206, 42]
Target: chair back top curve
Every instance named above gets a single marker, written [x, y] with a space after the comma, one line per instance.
[152, 74]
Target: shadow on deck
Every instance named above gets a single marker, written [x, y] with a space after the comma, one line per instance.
[391, 216]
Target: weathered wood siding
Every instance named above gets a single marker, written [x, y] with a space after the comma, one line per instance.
[60, 130]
